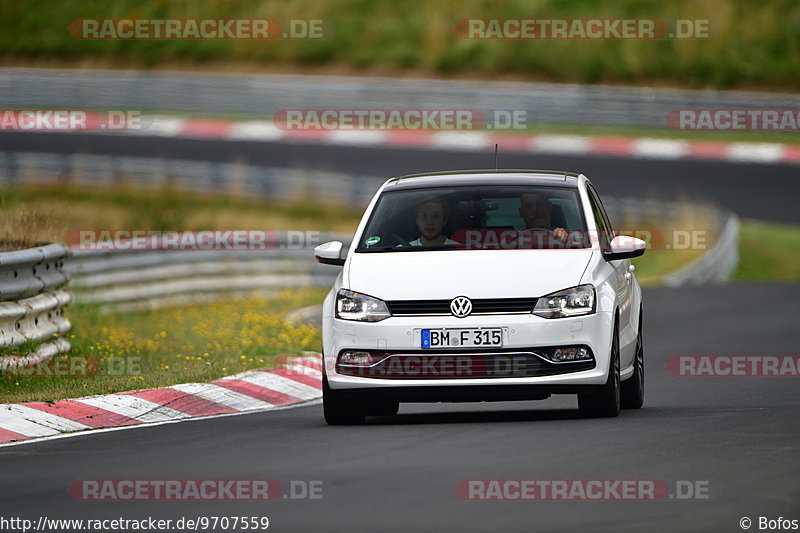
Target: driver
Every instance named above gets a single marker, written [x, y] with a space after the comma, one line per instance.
[535, 210]
[431, 217]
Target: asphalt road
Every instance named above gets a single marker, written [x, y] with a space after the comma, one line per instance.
[749, 189]
[738, 435]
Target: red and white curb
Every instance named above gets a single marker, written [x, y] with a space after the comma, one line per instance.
[294, 383]
[478, 141]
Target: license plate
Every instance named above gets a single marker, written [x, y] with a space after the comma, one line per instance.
[462, 338]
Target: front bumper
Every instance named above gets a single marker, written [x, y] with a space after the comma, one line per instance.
[521, 333]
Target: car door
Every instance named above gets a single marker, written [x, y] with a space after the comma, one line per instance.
[621, 267]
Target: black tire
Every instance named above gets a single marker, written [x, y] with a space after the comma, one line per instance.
[632, 391]
[339, 409]
[605, 401]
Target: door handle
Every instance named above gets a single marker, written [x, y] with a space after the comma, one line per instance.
[628, 276]
[631, 268]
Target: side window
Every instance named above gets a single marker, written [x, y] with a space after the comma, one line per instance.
[603, 212]
[603, 225]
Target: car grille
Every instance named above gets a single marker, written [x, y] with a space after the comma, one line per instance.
[463, 366]
[479, 306]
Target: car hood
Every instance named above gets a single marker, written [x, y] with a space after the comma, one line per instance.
[445, 274]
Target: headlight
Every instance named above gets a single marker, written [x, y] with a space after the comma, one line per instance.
[569, 302]
[352, 305]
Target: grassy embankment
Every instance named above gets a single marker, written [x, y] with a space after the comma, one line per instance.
[174, 345]
[752, 44]
[195, 343]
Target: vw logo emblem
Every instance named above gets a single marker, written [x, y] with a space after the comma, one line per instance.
[460, 306]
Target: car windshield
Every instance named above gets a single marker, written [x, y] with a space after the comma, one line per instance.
[475, 218]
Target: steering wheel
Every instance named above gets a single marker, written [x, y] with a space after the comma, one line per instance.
[402, 240]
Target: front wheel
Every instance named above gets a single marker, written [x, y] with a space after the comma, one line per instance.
[605, 401]
[339, 410]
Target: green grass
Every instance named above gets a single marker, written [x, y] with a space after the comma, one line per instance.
[655, 264]
[768, 252]
[197, 343]
[667, 248]
[753, 44]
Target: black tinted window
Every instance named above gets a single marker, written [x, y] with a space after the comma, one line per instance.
[472, 217]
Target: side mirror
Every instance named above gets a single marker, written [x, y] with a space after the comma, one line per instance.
[329, 253]
[625, 247]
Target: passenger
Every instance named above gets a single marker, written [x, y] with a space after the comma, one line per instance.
[431, 217]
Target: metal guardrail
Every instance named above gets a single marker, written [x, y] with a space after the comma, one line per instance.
[25, 272]
[262, 95]
[238, 179]
[718, 264]
[32, 302]
[715, 265]
[124, 280]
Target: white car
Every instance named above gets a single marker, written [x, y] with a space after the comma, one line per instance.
[482, 286]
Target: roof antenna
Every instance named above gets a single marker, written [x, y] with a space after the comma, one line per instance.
[495, 156]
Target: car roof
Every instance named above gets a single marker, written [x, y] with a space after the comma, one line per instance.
[545, 178]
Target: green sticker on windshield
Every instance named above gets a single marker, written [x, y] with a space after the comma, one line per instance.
[373, 240]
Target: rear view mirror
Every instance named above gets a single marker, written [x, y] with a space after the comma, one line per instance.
[479, 205]
[625, 247]
[329, 253]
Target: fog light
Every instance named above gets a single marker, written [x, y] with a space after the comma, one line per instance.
[355, 358]
[573, 353]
